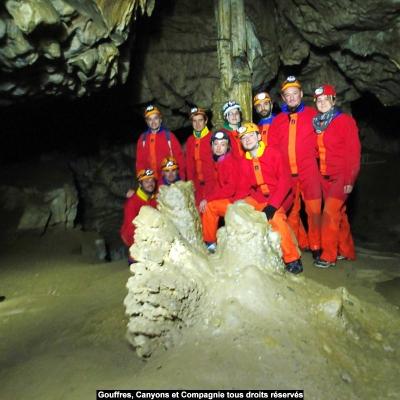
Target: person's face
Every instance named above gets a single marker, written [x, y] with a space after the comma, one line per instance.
[148, 185]
[292, 96]
[264, 108]
[170, 175]
[219, 147]
[199, 122]
[154, 122]
[324, 103]
[233, 117]
[250, 141]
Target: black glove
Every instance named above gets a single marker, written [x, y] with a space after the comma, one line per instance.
[269, 211]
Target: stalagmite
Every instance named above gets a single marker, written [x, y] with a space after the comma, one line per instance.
[240, 303]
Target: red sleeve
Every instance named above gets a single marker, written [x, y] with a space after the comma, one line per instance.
[353, 152]
[140, 154]
[283, 177]
[178, 154]
[273, 133]
[244, 180]
[190, 168]
[131, 210]
[227, 180]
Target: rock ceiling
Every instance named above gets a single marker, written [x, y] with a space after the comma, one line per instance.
[73, 48]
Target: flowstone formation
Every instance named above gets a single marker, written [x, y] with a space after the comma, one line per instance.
[174, 274]
[235, 319]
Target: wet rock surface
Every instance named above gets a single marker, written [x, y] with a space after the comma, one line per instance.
[64, 47]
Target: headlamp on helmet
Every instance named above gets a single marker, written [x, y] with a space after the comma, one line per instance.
[246, 128]
[197, 111]
[219, 135]
[262, 97]
[291, 81]
[327, 90]
[151, 110]
[169, 164]
[145, 174]
[229, 106]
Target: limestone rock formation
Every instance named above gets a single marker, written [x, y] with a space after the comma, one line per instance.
[64, 47]
[173, 273]
[239, 302]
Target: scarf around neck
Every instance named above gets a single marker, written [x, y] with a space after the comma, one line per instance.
[322, 120]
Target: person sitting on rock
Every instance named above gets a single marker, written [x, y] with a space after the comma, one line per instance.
[156, 143]
[144, 196]
[199, 162]
[216, 203]
[169, 171]
[265, 183]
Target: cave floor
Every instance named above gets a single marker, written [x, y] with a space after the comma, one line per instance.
[62, 323]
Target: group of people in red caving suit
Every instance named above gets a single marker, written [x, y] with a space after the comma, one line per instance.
[303, 157]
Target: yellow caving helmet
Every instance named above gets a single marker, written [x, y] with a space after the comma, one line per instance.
[291, 81]
[150, 110]
[169, 164]
[262, 97]
[247, 127]
[145, 174]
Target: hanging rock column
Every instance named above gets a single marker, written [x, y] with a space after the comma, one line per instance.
[234, 66]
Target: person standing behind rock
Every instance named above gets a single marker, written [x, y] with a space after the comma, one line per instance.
[144, 196]
[263, 106]
[339, 163]
[199, 162]
[233, 117]
[156, 143]
[170, 171]
[292, 131]
[262, 103]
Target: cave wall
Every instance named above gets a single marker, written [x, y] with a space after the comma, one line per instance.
[73, 48]
[353, 44]
[64, 47]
